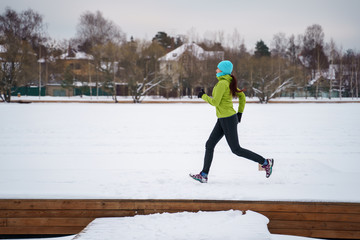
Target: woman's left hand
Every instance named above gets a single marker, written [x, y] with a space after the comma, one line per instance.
[239, 115]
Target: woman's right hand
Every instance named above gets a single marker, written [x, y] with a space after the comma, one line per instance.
[202, 92]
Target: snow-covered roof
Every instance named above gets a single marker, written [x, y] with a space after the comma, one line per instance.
[87, 84]
[195, 49]
[78, 55]
[328, 74]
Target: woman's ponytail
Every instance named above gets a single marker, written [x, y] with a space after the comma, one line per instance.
[233, 86]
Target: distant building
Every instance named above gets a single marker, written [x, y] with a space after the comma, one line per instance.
[176, 63]
[78, 61]
[170, 60]
[337, 79]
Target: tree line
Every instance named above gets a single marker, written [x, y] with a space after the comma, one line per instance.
[296, 65]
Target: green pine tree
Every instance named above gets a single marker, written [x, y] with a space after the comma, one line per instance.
[261, 50]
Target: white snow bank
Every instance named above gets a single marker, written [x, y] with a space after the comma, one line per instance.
[201, 225]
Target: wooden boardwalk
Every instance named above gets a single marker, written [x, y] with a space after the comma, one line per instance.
[70, 216]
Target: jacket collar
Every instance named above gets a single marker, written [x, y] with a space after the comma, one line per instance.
[225, 78]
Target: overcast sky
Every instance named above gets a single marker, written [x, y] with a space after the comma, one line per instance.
[253, 19]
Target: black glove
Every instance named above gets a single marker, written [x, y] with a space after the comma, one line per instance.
[201, 93]
[239, 115]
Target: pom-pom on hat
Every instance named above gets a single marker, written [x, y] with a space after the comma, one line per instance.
[225, 66]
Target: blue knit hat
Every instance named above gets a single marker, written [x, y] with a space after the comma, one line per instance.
[225, 66]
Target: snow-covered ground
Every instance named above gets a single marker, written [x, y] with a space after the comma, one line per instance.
[142, 151]
[171, 226]
[145, 151]
[201, 225]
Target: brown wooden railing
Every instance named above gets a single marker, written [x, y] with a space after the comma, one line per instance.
[70, 216]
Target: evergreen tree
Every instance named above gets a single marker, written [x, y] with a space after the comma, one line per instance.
[261, 50]
[164, 40]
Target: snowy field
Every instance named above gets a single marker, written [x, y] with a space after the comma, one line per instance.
[141, 151]
[146, 151]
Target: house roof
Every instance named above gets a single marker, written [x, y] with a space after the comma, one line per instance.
[77, 55]
[195, 49]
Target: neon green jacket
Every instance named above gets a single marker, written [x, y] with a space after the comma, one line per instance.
[222, 98]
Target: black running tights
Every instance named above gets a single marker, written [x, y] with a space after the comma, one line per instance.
[228, 127]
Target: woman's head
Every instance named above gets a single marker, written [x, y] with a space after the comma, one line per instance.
[225, 67]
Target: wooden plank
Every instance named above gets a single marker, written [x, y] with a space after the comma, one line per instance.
[167, 205]
[355, 218]
[48, 222]
[283, 224]
[66, 213]
[337, 207]
[181, 205]
[67, 204]
[2, 222]
[150, 211]
[39, 230]
[318, 233]
[301, 207]
[255, 206]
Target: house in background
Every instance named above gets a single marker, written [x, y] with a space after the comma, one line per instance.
[183, 66]
[333, 81]
[171, 61]
[80, 65]
[78, 61]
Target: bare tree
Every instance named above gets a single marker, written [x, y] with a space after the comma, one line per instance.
[193, 35]
[94, 33]
[351, 69]
[109, 56]
[234, 41]
[292, 51]
[266, 80]
[20, 37]
[139, 61]
[94, 29]
[313, 53]
[332, 55]
[340, 71]
[279, 45]
[278, 52]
